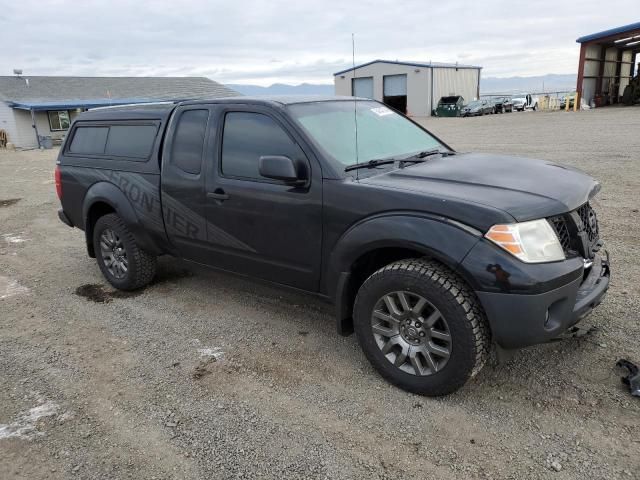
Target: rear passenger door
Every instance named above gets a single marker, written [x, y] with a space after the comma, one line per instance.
[259, 226]
[183, 176]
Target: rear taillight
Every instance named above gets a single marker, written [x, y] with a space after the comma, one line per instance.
[58, 177]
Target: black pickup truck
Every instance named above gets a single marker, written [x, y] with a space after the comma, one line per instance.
[433, 257]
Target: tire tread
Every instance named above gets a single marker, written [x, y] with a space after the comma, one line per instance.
[456, 289]
[142, 264]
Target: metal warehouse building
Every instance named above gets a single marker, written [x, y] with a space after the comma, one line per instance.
[411, 87]
[607, 62]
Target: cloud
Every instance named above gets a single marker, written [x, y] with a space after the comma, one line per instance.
[291, 41]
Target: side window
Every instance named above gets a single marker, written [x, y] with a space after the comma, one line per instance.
[188, 142]
[249, 136]
[89, 140]
[131, 140]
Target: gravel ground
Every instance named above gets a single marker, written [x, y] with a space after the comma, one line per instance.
[205, 375]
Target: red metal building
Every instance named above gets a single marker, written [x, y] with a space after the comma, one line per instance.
[607, 63]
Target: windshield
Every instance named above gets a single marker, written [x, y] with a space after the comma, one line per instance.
[477, 103]
[382, 133]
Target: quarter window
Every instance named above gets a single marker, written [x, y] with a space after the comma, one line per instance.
[59, 120]
[188, 142]
[130, 140]
[247, 137]
[89, 140]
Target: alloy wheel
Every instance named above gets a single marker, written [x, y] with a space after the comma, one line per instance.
[411, 333]
[114, 254]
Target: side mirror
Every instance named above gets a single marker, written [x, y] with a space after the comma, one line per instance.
[279, 167]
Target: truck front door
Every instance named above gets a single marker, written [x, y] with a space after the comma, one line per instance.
[259, 226]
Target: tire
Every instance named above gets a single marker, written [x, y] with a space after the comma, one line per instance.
[110, 233]
[460, 317]
[535, 107]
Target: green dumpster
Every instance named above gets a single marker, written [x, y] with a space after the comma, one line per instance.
[449, 106]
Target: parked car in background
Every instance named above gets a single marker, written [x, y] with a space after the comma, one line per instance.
[502, 104]
[477, 108]
[524, 102]
[433, 257]
[450, 106]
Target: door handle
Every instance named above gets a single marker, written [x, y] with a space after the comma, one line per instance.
[218, 194]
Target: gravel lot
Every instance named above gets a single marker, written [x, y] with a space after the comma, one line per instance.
[205, 375]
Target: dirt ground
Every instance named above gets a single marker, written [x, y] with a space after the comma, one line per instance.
[205, 375]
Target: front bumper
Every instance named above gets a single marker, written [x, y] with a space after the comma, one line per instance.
[521, 320]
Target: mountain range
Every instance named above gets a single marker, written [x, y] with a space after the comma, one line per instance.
[548, 83]
[284, 89]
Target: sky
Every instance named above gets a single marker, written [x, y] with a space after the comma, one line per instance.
[295, 41]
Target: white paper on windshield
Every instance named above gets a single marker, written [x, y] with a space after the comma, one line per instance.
[381, 111]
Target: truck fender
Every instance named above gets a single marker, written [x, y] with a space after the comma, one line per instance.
[435, 237]
[110, 194]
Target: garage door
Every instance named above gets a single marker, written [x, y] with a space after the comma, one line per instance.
[394, 89]
[362, 87]
[395, 85]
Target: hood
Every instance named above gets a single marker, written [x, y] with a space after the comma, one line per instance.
[526, 189]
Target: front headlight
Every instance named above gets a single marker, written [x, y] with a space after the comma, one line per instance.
[531, 242]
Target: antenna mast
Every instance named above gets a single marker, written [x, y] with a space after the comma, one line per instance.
[355, 99]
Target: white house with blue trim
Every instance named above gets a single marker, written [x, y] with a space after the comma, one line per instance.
[33, 108]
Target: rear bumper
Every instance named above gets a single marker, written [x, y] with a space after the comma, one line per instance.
[521, 320]
[63, 218]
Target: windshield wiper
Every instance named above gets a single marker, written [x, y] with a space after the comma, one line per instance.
[428, 153]
[413, 158]
[370, 164]
[420, 156]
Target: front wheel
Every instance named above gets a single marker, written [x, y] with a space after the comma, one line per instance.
[421, 327]
[123, 263]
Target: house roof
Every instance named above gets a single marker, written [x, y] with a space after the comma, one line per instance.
[46, 93]
[410, 64]
[632, 27]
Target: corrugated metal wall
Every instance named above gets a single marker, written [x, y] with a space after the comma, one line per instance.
[449, 81]
[609, 74]
[591, 69]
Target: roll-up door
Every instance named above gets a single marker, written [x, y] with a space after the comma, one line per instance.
[362, 87]
[394, 89]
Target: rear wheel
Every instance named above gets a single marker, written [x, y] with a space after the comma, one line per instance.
[123, 263]
[421, 327]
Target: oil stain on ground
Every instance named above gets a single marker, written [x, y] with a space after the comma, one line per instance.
[9, 202]
[97, 293]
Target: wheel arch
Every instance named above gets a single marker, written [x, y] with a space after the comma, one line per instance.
[378, 241]
[103, 198]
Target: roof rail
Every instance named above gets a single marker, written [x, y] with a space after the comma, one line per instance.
[144, 104]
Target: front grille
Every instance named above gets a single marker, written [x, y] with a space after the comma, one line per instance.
[578, 231]
[559, 224]
[589, 221]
